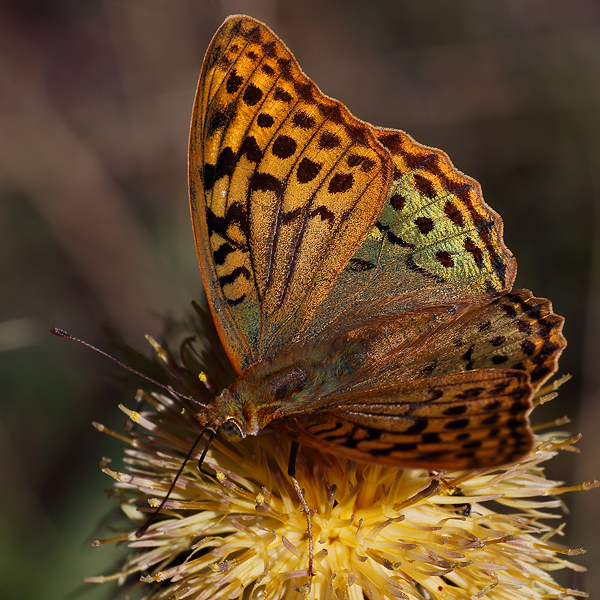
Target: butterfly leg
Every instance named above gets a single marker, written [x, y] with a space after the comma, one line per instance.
[293, 456]
[203, 455]
[307, 512]
[144, 528]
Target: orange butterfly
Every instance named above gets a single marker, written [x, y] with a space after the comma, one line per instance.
[358, 281]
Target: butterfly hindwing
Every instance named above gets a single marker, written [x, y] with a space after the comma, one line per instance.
[515, 331]
[426, 381]
[456, 421]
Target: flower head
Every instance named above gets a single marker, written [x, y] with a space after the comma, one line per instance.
[379, 532]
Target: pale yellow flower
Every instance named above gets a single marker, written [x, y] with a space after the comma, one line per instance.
[380, 532]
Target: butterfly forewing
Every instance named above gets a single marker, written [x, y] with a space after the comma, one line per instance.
[285, 183]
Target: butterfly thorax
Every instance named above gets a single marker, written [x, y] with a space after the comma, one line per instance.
[293, 382]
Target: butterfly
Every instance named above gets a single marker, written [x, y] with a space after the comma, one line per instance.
[358, 281]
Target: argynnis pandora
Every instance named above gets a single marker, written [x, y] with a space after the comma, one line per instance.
[358, 281]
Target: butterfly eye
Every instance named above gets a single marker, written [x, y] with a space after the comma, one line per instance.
[231, 431]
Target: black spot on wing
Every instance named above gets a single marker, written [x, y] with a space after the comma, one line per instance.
[329, 140]
[397, 201]
[392, 237]
[457, 409]
[392, 141]
[235, 301]
[268, 69]
[303, 120]
[289, 216]
[359, 265]
[413, 266]
[226, 162]
[509, 311]
[424, 224]
[356, 160]
[219, 119]
[323, 213]
[484, 325]
[340, 183]
[265, 182]
[284, 147]
[474, 251]
[528, 347]
[234, 275]
[524, 327]
[333, 112]
[234, 81]
[306, 90]
[264, 120]
[419, 424]
[424, 186]
[308, 170]
[235, 215]
[250, 149]
[285, 68]
[453, 213]
[208, 177]
[444, 258]
[222, 252]
[281, 95]
[468, 356]
[252, 95]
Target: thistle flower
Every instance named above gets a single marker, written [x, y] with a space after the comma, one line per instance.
[379, 532]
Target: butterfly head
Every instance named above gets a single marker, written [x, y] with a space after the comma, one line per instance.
[262, 394]
[231, 419]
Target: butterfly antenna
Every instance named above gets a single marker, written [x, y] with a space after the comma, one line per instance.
[68, 336]
[144, 528]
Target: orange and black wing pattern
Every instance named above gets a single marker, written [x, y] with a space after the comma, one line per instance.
[284, 184]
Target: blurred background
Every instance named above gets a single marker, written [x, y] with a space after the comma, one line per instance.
[95, 101]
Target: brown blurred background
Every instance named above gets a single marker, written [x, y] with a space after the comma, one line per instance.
[95, 100]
